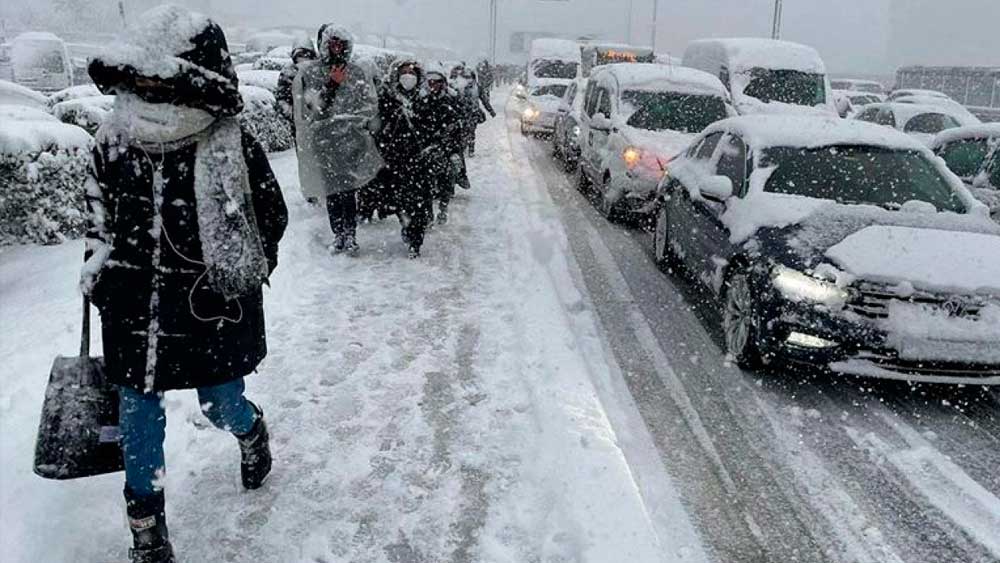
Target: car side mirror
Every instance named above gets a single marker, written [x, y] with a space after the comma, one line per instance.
[601, 122]
[717, 188]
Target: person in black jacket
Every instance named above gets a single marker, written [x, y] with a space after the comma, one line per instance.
[401, 143]
[439, 113]
[185, 220]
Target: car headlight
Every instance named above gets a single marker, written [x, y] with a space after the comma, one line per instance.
[797, 286]
[531, 113]
[631, 156]
[576, 131]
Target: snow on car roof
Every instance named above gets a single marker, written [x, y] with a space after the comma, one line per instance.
[561, 49]
[37, 36]
[788, 130]
[981, 131]
[918, 92]
[747, 53]
[651, 76]
[904, 112]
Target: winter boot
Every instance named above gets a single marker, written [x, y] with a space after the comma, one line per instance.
[148, 522]
[255, 453]
[351, 245]
[338, 245]
[442, 215]
[414, 252]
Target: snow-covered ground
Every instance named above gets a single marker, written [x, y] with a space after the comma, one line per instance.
[460, 407]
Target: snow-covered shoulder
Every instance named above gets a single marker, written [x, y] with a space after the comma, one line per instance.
[151, 46]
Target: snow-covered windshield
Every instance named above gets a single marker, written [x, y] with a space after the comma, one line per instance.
[39, 55]
[965, 158]
[548, 68]
[995, 168]
[931, 123]
[860, 175]
[658, 111]
[557, 90]
[786, 86]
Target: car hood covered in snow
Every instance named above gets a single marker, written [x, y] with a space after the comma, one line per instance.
[666, 144]
[931, 251]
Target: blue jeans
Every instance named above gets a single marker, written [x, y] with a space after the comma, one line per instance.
[143, 426]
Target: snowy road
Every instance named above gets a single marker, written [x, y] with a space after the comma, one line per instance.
[797, 467]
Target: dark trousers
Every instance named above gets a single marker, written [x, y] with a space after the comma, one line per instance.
[343, 211]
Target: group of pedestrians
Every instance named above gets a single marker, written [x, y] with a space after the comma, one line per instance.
[186, 217]
[396, 148]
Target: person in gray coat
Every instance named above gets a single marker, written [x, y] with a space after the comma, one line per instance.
[336, 110]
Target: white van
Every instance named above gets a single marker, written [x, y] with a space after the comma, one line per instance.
[765, 75]
[553, 59]
[40, 61]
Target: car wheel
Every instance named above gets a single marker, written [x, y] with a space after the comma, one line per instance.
[524, 132]
[740, 324]
[661, 238]
[556, 153]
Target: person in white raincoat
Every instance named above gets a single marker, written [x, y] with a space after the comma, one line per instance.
[336, 109]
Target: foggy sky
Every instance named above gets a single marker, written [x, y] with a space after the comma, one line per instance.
[863, 36]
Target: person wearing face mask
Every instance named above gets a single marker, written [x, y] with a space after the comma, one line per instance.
[439, 114]
[465, 81]
[336, 111]
[185, 217]
[404, 180]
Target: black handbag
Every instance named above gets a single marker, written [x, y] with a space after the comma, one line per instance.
[78, 434]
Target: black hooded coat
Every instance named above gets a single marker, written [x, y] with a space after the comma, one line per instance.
[150, 291]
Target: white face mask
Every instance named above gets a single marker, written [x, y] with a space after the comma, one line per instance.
[460, 83]
[408, 81]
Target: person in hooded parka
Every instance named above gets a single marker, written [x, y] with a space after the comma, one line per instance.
[401, 142]
[336, 110]
[439, 114]
[302, 51]
[185, 218]
[466, 83]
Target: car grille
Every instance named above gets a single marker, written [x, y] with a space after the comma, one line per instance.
[873, 301]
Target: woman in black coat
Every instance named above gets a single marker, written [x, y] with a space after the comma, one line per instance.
[186, 216]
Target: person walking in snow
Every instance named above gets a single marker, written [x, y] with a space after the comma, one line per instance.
[487, 76]
[336, 111]
[400, 140]
[185, 219]
[439, 114]
[465, 81]
[301, 52]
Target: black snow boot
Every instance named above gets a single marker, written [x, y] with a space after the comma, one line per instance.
[148, 522]
[255, 453]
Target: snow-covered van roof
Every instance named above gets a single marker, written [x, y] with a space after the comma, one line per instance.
[556, 49]
[981, 131]
[905, 112]
[765, 131]
[746, 53]
[37, 37]
[651, 76]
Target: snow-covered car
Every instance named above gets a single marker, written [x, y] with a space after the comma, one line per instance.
[261, 118]
[40, 61]
[849, 102]
[636, 118]
[275, 59]
[73, 93]
[552, 59]
[265, 41]
[88, 113]
[16, 95]
[266, 79]
[837, 244]
[973, 154]
[765, 75]
[43, 166]
[919, 121]
[566, 134]
[858, 86]
[907, 92]
[954, 109]
[542, 106]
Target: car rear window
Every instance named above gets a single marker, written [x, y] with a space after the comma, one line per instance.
[557, 90]
[930, 123]
[787, 86]
[965, 158]
[860, 175]
[545, 68]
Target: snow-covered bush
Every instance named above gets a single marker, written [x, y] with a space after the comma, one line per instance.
[88, 113]
[18, 95]
[261, 118]
[43, 167]
[74, 93]
[266, 79]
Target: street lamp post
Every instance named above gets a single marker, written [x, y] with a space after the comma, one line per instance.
[776, 23]
[656, 11]
[628, 26]
[493, 32]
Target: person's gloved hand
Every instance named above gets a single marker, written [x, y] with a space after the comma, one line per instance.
[493, 113]
[338, 74]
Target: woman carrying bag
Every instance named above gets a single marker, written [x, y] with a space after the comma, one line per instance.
[186, 216]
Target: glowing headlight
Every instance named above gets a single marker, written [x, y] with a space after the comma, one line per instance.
[531, 113]
[576, 130]
[631, 156]
[799, 287]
